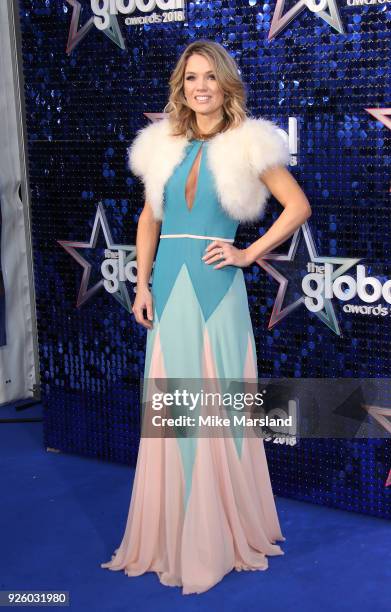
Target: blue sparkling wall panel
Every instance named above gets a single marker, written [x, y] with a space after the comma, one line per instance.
[86, 95]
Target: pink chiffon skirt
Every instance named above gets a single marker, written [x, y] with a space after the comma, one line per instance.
[200, 507]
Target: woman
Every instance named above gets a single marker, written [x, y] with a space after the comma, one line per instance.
[201, 507]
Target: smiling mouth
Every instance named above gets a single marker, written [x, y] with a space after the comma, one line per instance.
[202, 98]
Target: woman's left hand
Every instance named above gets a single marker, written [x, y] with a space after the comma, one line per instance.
[227, 254]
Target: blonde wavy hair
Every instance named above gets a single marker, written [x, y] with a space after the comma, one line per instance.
[182, 117]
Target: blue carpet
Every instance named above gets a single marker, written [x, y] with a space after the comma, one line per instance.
[62, 515]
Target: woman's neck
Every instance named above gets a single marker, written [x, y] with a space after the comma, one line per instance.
[207, 126]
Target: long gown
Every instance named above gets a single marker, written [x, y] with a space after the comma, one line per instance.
[200, 506]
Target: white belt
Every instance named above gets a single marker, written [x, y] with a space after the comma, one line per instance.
[194, 236]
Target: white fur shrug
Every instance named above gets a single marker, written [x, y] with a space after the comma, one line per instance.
[236, 159]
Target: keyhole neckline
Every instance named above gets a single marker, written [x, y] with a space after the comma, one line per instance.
[200, 154]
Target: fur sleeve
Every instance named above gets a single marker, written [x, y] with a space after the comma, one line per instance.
[266, 147]
[141, 150]
[152, 156]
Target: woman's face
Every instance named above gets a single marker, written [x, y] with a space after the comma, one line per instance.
[201, 89]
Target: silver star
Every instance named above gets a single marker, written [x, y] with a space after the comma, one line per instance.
[327, 315]
[75, 36]
[122, 295]
[280, 22]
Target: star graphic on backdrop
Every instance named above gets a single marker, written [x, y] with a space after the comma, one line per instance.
[327, 314]
[279, 21]
[75, 36]
[85, 293]
[384, 116]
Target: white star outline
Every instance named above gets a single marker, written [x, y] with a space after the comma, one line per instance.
[85, 293]
[280, 22]
[75, 36]
[327, 315]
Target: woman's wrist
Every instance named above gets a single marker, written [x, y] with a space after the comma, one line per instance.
[256, 250]
[250, 255]
[142, 285]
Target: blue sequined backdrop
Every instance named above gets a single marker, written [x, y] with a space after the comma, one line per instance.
[83, 109]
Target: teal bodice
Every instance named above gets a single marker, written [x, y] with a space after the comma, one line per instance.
[205, 218]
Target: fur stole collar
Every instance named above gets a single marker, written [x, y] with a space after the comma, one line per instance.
[236, 158]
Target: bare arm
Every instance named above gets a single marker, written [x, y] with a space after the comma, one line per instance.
[297, 209]
[148, 231]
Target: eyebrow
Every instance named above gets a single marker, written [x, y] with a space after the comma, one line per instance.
[207, 72]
